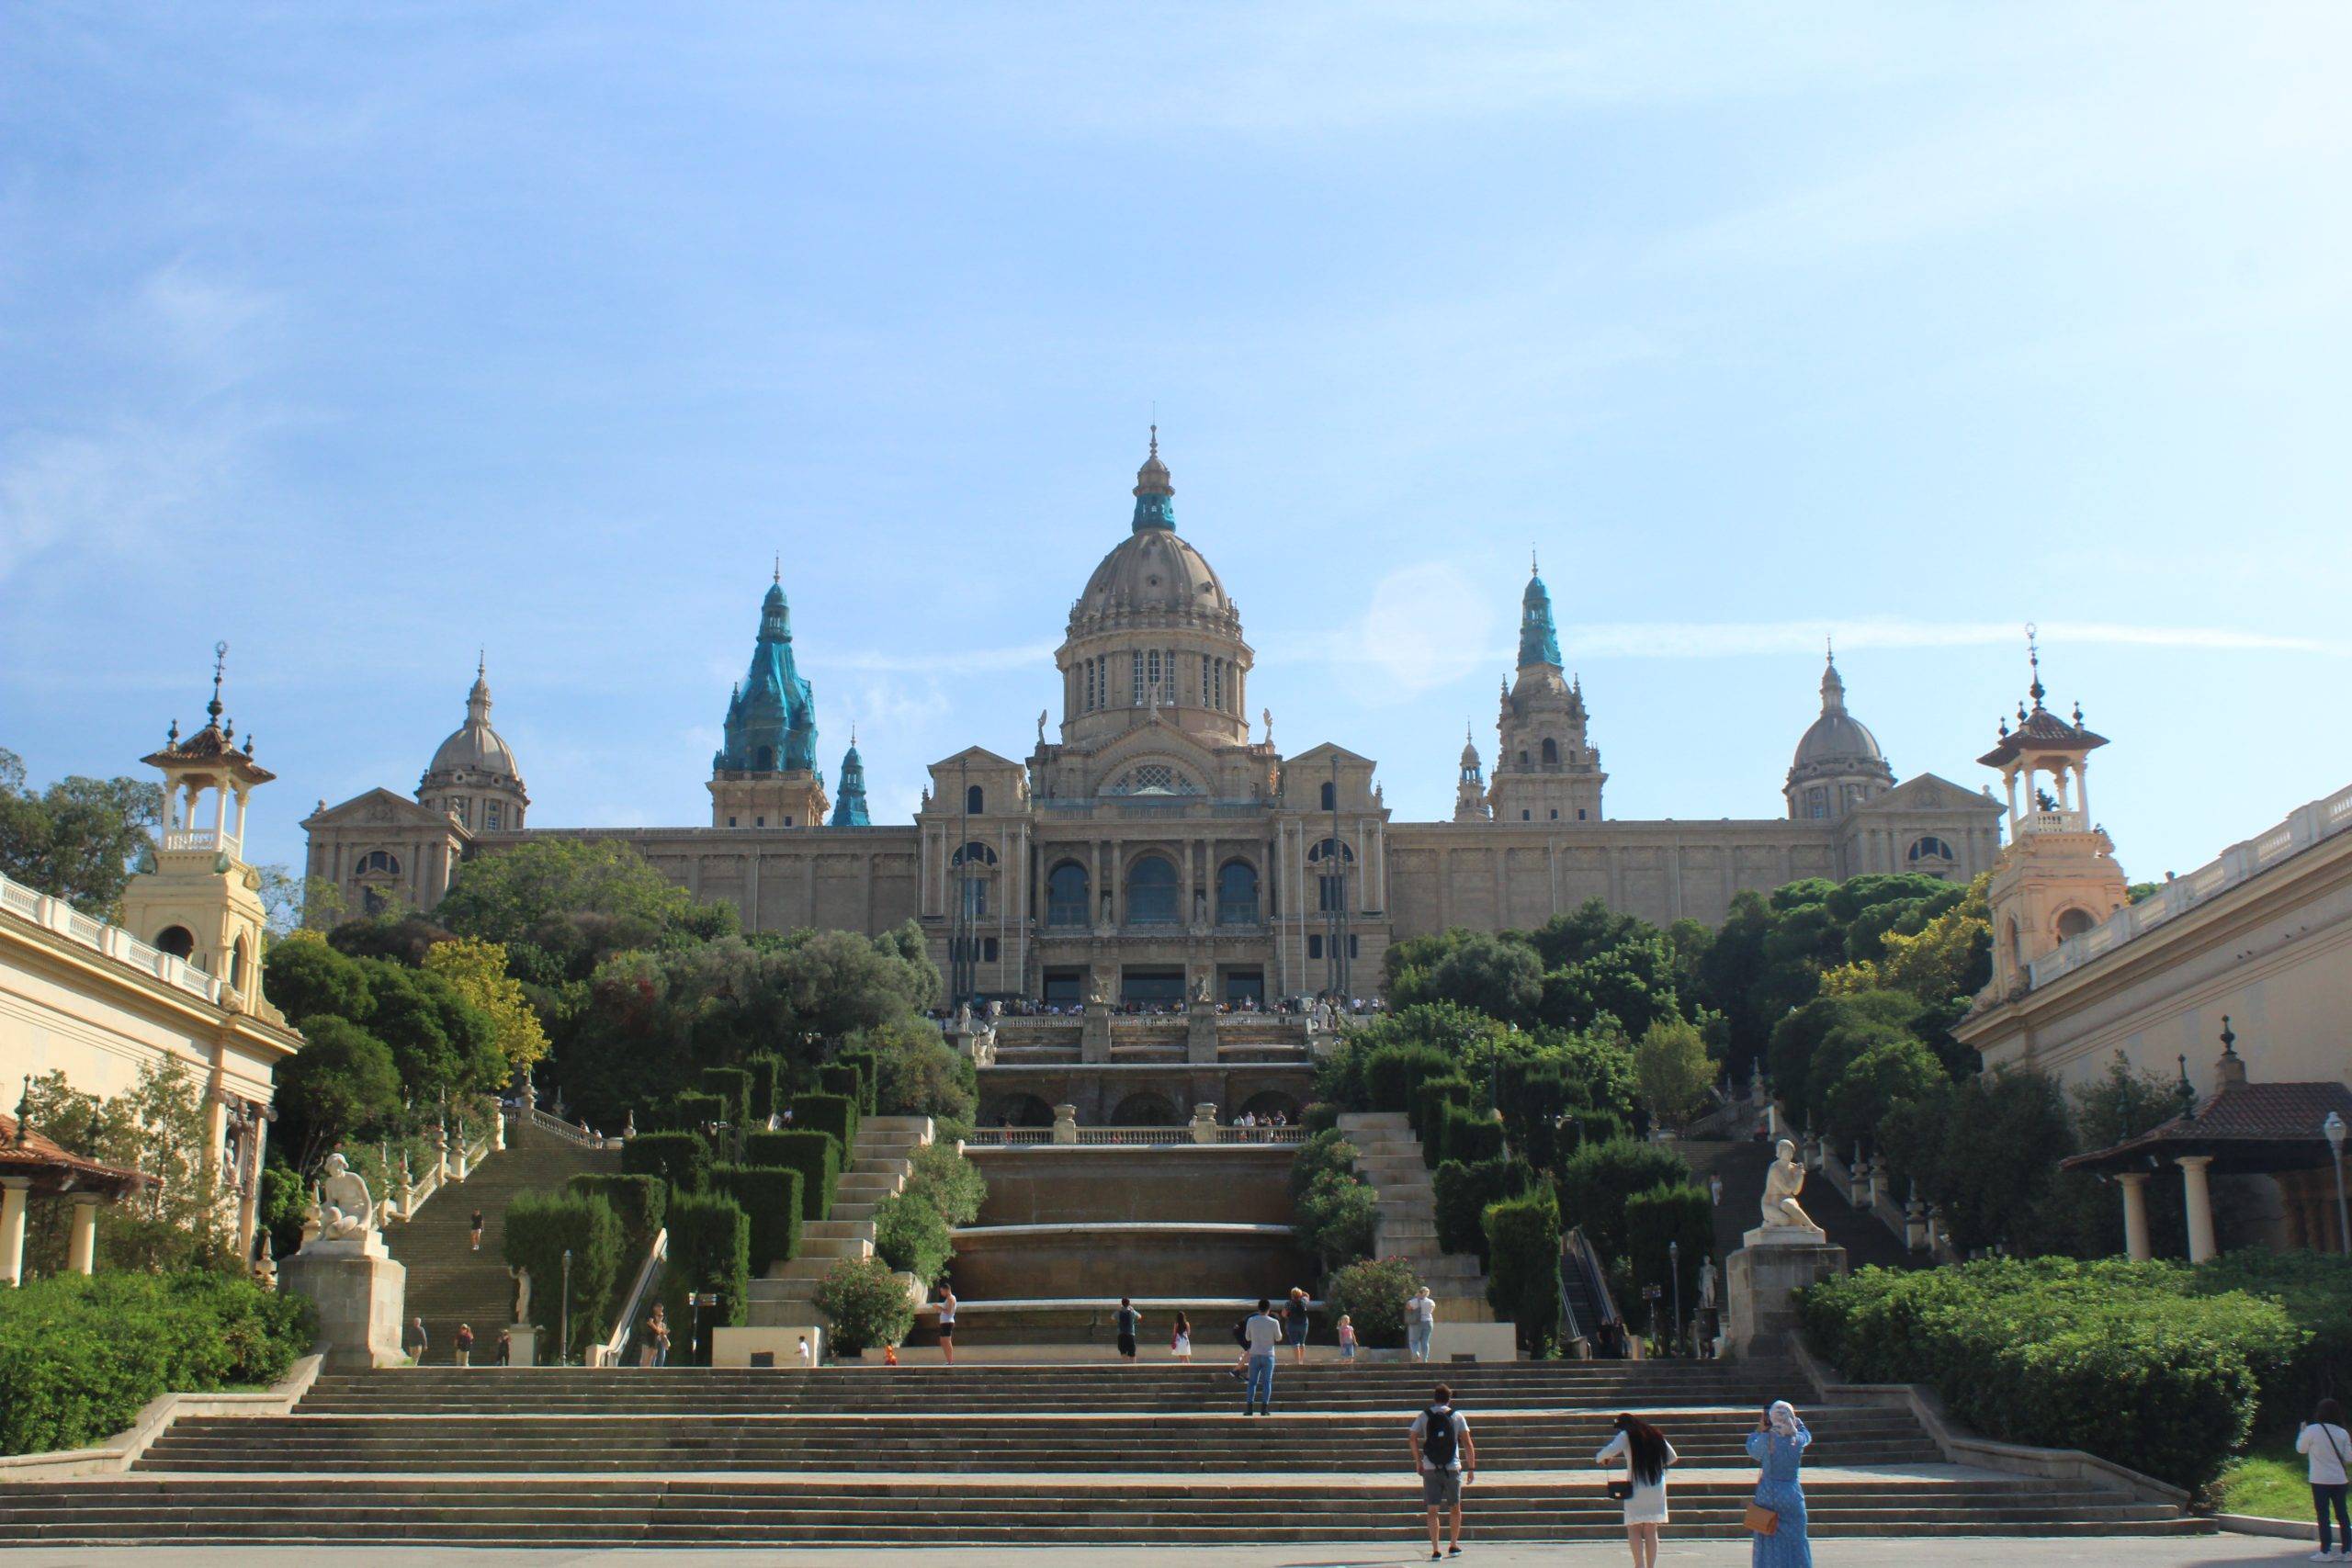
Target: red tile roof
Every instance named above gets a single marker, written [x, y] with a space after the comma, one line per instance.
[54, 1170]
[2248, 1126]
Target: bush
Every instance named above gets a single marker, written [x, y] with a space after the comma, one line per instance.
[710, 1251]
[765, 1070]
[640, 1202]
[912, 1236]
[1335, 1218]
[816, 1156]
[869, 1067]
[917, 1072]
[733, 1087]
[845, 1079]
[1373, 1294]
[1683, 1214]
[79, 1354]
[1470, 1135]
[1598, 1179]
[2315, 1289]
[1390, 1073]
[1320, 1153]
[834, 1113]
[1464, 1189]
[540, 1227]
[948, 1182]
[2116, 1358]
[1523, 1281]
[770, 1197]
[864, 1304]
[681, 1159]
[1429, 1098]
[1320, 1117]
[691, 1112]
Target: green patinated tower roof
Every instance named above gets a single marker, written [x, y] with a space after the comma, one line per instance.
[849, 810]
[1155, 496]
[772, 720]
[1539, 640]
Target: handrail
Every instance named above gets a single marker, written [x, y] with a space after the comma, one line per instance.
[1178, 1135]
[649, 1275]
[1588, 1265]
[418, 1191]
[546, 1123]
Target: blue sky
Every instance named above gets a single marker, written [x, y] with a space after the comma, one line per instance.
[363, 336]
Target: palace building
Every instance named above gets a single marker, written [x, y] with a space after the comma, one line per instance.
[1156, 848]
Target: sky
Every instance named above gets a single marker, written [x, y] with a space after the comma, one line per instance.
[367, 338]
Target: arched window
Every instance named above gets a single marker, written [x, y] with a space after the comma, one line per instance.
[1153, 778]
[1330, 890]
[1523, 759]
[1151, 892]
[2017, 944]
[974, 802]
[237, 965]
[1930, 850]
[1065, 895]
[1144, 1109]
[976, 853]
[1135, 680]
[2073, 923]
[1551, 751]
[1237, 894]
[1328, 798]
[977, 862]
[178, 941]
[379, 862]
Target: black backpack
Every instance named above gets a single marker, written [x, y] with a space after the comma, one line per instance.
[1437, 1437]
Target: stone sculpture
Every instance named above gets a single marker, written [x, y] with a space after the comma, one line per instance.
[521, 1294]
[341, 1206]
[1782, 1183]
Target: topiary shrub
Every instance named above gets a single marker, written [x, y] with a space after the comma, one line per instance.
[1681, 1214]
[912, 1236]
[638, 1201]
[865, 1305]
[1523, 1278]
[834, 1113]
[1432, 1096]
[770, 1197]
[1390, 1073]
[681, 1159]
[710, 1252]
[1320, 1117]
[1597, 1179]
[845, 1079]
[693, 1110]
[948, 1182]
[540, 1227]
[1469, 1136]
[869, 1066]
[765, 1069]
[1463, 1192]
[1372, 1292]
[733, 1088]
[79, 1354]
[816, 1156]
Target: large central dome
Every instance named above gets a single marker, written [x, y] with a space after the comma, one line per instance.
[1153, 576]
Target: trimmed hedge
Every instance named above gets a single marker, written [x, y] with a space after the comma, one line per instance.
[1596, 1181]
[1523, 1281]
[1320, 1117]
[770, 1196]
[834, 1113]
[639, 1202]
[869, 1064]
[1469, 1136]
[1463, 1192]
[845, 1079]
[681, 1159]
[1682, 1214]
[816, 1156]
[79, 1354]
[710, 1250]
[691, 1111]
[2119, 1358]
[540, 1227]
[1431, 1096]
[1390, 1073]
[733, 1085]
[768, 1073]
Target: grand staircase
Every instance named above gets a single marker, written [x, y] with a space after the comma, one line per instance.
[1101, 1455]
[1389, 1156]
[448, 1282]
[882, 1161]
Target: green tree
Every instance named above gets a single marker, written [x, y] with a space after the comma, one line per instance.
[81, 839]
[340, 1084]
[1672, 1067]
[1894, 1070]
[476, 970]
[1495, 976]
[502, 898]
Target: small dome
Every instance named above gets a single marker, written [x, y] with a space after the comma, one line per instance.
[475, 747]
[1838, 736]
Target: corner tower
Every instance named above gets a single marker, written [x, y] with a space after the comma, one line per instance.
[765, 774]
[849, 811]
[2058, 876]
[1545, 768]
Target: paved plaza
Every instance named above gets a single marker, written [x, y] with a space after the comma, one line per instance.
[2205, 1551]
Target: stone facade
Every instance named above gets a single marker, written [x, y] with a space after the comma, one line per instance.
[1155, 847]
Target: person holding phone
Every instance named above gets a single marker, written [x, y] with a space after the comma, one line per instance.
[1776, 1515]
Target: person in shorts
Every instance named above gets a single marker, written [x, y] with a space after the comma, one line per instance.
[947, 1324]
[1445, 1458]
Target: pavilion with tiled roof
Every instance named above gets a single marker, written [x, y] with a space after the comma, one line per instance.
[34, 1167]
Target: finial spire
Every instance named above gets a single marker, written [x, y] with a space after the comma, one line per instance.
[2034, 658]
[220, 660]
[481, 663]
[1534, 567]
[1155, 438]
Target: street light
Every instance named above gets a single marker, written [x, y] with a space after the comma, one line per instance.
[1674, 1269]
[2333, 1130]
[563, 1349]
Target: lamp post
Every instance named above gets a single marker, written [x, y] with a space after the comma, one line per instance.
[563, 1347]
[2333, 1130]
[1674, 1271]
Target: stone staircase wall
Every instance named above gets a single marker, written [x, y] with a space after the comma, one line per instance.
[1389, 1156]
[881, 1164]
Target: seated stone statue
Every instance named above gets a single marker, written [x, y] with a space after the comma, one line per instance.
[341, 1209]
[1783, 1182]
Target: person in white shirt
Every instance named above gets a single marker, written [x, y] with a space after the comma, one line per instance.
[1259, 1335]
[807, 1356]
[1421, 1322]
[1444, 1457]
[1647, 1454]
[2328, 1448]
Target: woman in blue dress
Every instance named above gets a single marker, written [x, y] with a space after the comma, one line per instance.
[1777, 1444]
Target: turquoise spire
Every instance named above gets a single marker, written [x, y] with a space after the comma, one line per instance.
[772, 718]
[849, 811]
[1539, 641]
[1154, 503]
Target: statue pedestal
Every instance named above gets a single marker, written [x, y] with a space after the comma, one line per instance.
[359, 1294]
[1760, 1282]
[1094, 1033]
[523, 1346]
[1200, 1032]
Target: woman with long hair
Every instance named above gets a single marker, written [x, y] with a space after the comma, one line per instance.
[1776, 1515]
[1647, 1454]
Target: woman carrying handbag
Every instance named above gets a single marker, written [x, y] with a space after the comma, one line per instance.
[1776, 1515]
[1647, 1454]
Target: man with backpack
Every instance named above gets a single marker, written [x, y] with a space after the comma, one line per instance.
[1259, 1335]
[1445, 1458]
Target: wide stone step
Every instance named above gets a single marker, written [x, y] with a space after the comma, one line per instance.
[836, 1229]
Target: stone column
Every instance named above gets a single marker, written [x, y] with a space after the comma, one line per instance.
[12, 1228]
[81, 1249]
[2135, 1215]
[2200, 1205]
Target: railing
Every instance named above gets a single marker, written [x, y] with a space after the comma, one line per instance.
[200, 839]
[57, 915]
[2305, 826]
[1129, 1137]
[1577, 1256]
[649, 1278]
[546, 1123]
[472, 1154]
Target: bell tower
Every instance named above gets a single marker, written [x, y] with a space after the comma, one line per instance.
[202, 902]
[2058, 877]
[1470, 793]
[1546, 769]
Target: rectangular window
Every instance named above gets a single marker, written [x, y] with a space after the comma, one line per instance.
[1093, 669]
[490, 815]
[1135, 681]
[975, 897]
[1155, 667]
[988, 950]
[1314, 947]
[1353, 951]
[1328, 894]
